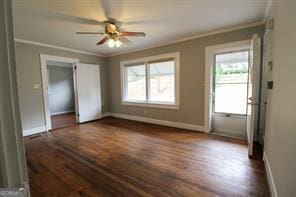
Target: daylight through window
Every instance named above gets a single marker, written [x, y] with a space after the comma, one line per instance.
[151, 82]
[231, 82]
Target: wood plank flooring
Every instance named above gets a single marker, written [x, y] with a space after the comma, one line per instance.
[63, 120]
[115, 157]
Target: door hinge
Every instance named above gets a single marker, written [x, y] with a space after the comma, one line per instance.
[75, 67]
[78, 115]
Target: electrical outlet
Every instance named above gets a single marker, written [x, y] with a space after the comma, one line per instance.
[36, 86]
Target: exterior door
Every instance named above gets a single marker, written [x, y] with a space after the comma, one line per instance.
[230, 88]
[88, 92]
[253, 91]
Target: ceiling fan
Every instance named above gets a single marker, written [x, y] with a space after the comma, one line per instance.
[114, 35]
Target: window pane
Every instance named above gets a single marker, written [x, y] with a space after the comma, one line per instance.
[231, 98]
[231, 78]
[136, 84]
[232, 67]
[162, 81]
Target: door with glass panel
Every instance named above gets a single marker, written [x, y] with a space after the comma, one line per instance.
[230, 89]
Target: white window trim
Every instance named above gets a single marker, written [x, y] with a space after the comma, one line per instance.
[176, 57]
[209, 64]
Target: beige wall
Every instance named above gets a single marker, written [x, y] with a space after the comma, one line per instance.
[29, 72]
[280, 139]
[192, 77]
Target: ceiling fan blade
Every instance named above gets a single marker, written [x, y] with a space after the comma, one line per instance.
[106, 8]
[125, 40]
[103, 40]
[136, 34]
[81, 32]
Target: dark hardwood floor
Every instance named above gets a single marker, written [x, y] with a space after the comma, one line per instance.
[63, 120]
[115, 157]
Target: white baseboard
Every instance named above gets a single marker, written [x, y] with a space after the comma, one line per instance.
[269, 176]
[160, 122]
[62, 112]
[193, 127]
[27, 132]
[106, 114]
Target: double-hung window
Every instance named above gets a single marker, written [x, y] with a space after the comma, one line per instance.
[151, 81]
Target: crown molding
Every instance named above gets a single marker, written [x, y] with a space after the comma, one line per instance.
[225, 30]
[55, 47]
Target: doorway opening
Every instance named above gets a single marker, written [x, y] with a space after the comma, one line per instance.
[77, 85]
[230, 92]
[232, 99]
[61, 94]
[52, 83]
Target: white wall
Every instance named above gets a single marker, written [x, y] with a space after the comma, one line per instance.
[61, 89]
[280, 139]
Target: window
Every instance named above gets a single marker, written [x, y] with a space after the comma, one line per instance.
[151, 81]
[231, 82]
[162, 81]
[136, 82]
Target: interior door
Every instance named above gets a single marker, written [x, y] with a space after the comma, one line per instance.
[253, 91]
[88, 92]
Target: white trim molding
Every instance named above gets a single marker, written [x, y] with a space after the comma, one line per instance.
[160, 122]
[55, 47]
[151, 105]
[175, 56]
[32, 131]
[209, 61]
[106, 114]
[201, 35]
[210, 33]
[269, 175]
[62, 112]
[36, 130]
[44, 75]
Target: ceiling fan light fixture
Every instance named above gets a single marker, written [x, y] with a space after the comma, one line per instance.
[117, 43]
[113, 35]
[111, 43]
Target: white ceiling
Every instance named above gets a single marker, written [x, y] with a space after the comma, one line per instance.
[56, 21]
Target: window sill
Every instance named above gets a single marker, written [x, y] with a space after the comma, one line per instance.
[152, 105]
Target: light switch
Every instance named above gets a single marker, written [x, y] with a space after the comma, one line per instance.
[36, 86]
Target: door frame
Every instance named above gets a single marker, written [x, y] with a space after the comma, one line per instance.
[44, 75]
[210, 51]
